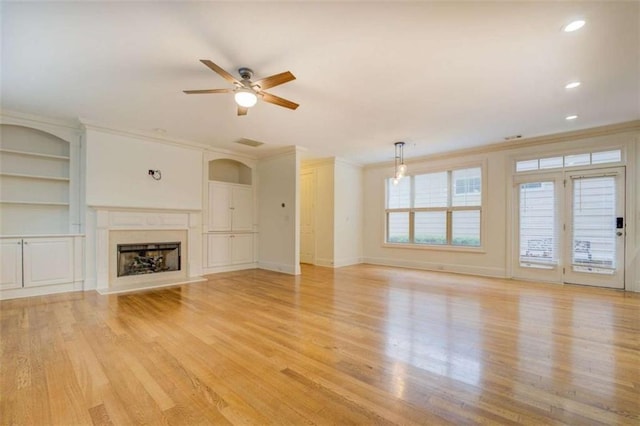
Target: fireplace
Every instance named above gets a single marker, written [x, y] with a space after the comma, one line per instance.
[148, 258]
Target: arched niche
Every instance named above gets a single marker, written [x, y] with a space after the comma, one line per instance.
[230, 171]
[20, 138]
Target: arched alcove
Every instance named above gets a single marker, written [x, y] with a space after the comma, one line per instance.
[34, 181]
[230, 171]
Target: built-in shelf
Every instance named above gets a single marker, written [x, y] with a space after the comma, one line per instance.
[24, 176]
[34, 154]
[34, 203]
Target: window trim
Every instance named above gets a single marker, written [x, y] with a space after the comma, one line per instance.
[482, 164]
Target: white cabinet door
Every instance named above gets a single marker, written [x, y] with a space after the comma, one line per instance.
[11, 262]
[47, 261]
[230, 207]
[218, 250]
[242, 208]
[219, 207]
[241, 248]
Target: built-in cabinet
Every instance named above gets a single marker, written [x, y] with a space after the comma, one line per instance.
[36, 262]
[229, 249]
[230, 207]
[41, 249]
[229, 240]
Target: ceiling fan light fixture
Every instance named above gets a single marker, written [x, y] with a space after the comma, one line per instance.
[245, 97]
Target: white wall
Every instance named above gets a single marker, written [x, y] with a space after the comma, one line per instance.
[117, 173]
[278, 213]
[348, 228]
[495, 258]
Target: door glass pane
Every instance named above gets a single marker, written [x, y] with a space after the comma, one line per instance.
[430, 227]
[399, 196]
[594, 222]
[538, 244]
[431, 190]
[465, 228]
[398, 227]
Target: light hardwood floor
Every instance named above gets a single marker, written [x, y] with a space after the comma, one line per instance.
[356, 345]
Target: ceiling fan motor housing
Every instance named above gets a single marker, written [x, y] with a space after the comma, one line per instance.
[245, 73]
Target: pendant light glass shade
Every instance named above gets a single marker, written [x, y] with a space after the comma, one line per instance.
[400, 167]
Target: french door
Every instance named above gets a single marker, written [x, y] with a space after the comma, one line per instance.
[569, 227]
[594, 250]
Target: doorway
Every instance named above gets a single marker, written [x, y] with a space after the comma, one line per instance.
[307, 217]
[569, 227]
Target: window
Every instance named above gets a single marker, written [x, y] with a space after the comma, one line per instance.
[436, 209]
[584, 159]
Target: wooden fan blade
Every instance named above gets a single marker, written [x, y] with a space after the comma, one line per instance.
[275, 80]
[220, 71]
[195, 92]
[273, 99]
[242, 110]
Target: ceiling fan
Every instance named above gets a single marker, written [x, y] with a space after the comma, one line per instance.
[246, 92]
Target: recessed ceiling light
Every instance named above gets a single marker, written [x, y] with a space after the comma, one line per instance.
[573, 26]
[571, 117]
[572, 85]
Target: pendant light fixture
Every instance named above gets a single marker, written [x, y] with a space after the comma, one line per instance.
[400, 167]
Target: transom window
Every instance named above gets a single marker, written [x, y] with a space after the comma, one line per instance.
[584, 159]
[438, 209]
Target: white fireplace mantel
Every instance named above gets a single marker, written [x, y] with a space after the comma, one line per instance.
[108, 219]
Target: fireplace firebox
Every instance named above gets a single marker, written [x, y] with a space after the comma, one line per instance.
[148, 258]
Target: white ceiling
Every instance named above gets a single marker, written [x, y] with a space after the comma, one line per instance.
[440, 76]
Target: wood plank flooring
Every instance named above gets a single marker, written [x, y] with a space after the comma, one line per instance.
[355, 345]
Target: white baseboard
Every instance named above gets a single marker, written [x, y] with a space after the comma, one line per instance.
[347, 262]
[327, 263]
[16, 293]
[228, 268]
[459, 269]
[280, 267]
[90, 284]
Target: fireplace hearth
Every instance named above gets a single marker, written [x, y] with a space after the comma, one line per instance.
[148, 258]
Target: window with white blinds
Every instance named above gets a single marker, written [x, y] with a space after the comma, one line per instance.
[538, 235]
[594, 222]
[437, 209]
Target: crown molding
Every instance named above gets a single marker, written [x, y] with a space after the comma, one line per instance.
[21, 118]
[625, 127]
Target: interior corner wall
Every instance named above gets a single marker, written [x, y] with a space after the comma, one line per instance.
[347, 214]
[117, 168]
[278, 213]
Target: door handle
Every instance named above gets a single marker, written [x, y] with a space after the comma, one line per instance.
[619, 233]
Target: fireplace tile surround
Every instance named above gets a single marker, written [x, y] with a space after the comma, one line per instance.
[114, 226]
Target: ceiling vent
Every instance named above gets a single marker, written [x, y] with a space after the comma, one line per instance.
[249, 142]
